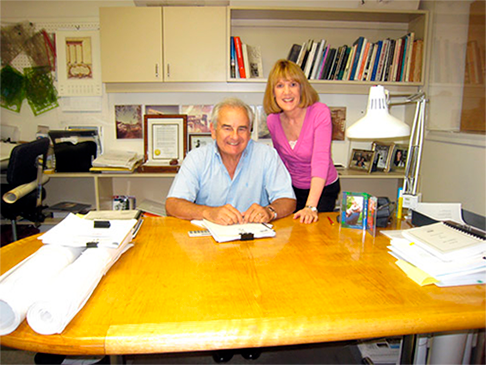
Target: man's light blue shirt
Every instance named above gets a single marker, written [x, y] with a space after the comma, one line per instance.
[260, 177]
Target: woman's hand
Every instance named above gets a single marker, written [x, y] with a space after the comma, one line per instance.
[306, 216]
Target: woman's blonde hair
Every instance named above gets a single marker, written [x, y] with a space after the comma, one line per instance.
[287, 70]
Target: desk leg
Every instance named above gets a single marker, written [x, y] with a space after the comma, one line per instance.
[117, 359]
[408, 349]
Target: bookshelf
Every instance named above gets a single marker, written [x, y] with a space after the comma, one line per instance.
[275, 30]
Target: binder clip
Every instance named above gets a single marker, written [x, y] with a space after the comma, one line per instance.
[246, 236]
[102, 224]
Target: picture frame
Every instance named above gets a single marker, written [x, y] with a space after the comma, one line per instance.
[354, 210]
[164, 141]
[361, 160]
[382, 157]
[197, 140]
[398, 160]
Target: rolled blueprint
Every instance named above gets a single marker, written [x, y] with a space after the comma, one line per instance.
[70, 290]
[21, 285]
[15, 194]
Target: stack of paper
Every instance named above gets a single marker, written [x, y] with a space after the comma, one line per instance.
[79, 232]
[440, 254]
[238, 231]
[117, 162]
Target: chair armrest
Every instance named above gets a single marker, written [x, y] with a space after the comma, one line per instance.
[20, 191]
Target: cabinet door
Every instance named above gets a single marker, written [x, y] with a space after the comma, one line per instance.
[195, 44]
[131, 44]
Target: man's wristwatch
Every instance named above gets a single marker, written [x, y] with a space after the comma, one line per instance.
[272, 210]
[314, 209]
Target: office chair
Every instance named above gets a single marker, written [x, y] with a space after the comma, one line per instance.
[24, 173]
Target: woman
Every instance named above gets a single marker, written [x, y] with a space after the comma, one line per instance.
[301, 131]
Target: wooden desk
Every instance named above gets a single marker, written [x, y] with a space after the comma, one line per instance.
[311, 283]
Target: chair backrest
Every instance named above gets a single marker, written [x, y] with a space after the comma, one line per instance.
[22, 164]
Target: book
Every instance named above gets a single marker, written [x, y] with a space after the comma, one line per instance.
[235, 232]
[417, 61]
[244, 49]
[433, 265]
[340, 72]
[388, 61]
[329, 62]
[362, 62]
[349, 63]
[305, 54]
[371, 63]
[232, 58]
[318, 59]
[239, 57]
[354, 209]
[367, 65]
[381, 61]
[294, 52]
[377, 58]
[310, 60]
[358, 58]
[408, 59]
[358, 43]
[448, 240]
[323, 63]
[117, 160]
[255, 61]
[338, 63]
[303, 50]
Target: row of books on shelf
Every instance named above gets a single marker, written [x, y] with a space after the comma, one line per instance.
[395, 60]
[245, 60]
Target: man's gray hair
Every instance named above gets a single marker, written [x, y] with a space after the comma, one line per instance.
[233, 103]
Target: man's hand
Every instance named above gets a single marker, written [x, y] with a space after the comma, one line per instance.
[225, 215]
[257, 214]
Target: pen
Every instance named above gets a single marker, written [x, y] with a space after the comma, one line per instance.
[330, 221]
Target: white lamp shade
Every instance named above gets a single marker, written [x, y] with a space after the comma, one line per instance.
[377, 122]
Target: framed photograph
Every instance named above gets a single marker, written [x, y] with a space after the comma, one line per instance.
[164, 141]
[361, 160]
[383, 153]
[398, 159]
[354, 209]
[199, 140]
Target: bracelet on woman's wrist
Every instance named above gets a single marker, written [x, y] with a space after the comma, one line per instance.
[314, 209]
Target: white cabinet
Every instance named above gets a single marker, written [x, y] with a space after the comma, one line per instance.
[131, 44]
[195, 44]
[139, 43]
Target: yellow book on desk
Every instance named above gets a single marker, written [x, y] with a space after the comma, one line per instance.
[448, 240]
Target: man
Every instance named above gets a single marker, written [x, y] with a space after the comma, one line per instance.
[233, 180]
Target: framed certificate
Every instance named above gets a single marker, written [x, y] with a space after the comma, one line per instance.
[165, 142]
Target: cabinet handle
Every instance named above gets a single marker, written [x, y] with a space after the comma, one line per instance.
[157, 70]
[168, 70]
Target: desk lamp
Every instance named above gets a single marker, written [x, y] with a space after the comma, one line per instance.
[378, 123]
